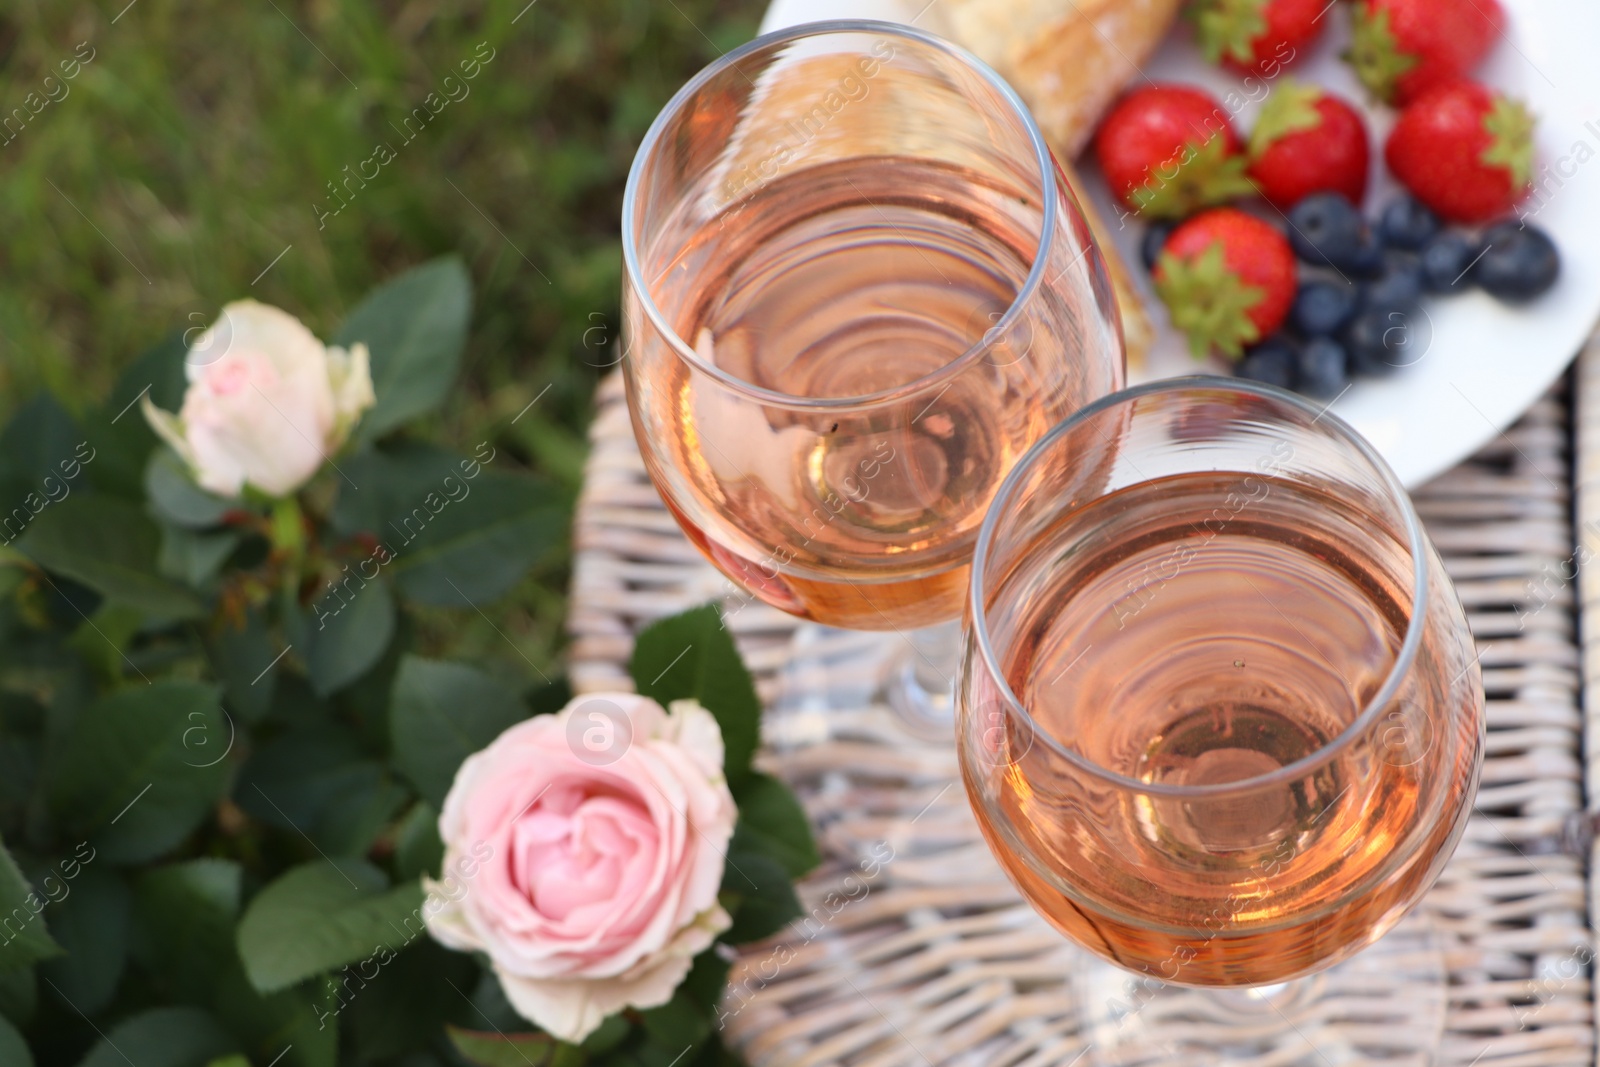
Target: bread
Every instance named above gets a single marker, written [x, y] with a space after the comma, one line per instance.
[1138, 331]
[795, 117]
[1067, 59]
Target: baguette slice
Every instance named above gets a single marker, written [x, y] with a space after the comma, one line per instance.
[1068, 59]
[1138, 330]
[794, 120]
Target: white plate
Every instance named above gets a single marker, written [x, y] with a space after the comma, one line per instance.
[1484, 363]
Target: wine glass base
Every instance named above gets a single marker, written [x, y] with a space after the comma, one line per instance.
[1384, 1006]
[913, 673]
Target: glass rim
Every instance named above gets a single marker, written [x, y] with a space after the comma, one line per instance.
[1289, 772]
[772, 398]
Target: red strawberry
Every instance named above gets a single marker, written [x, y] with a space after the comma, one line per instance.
[1465, 151]
[1168, 149]
[1307, 141]
[1227, 279]
[1256, 36]
[1403, 48]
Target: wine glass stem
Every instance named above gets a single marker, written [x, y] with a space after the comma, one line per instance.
[921, 686]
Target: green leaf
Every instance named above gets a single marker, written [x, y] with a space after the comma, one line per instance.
[19, 994]
[707, 978]
[1375, 53]
[763, 895]
[1207, 302]
[691, 655]
[175, 497]
[350, 627]
[246, 662]
[715, 1054]
[74, 692]
[490, 1008]
[415, 327]
[19, 770]
[401, 1005]
[289, 1023]
[24, 940]
[139, 769]
[171, 1037]
[319, 781]
[110, 546]
[295, 705]
[91, 924]
[184, 935]
[1197, 176]
[321, 916]
[681, 1022]
[102, 638]
[476, 552]
[1228, 27]
[612, 1031]
[194, 557]
[418, 850]
[396, 477]
[550, 696]
[13, 1049]
[159, 370]
[120, 438]
[488, 1048]
[41, 441]
[184, 915]
[772, 821]
[1290, 108]
[439, 714]
[365, 702]
[453, 532]
[1510, 127]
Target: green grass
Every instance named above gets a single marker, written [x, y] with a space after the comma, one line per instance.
[198, 143]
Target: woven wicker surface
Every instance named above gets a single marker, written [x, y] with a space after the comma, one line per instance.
[917, 951]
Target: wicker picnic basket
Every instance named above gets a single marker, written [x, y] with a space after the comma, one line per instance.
[916, 950]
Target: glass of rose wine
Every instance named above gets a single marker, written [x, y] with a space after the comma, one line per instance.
[857, 289]
[1219, 713]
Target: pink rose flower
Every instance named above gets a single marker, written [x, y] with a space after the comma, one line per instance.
[609, 824]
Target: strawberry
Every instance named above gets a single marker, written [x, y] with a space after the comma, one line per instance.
[1168, 149]
[1256, 36]
[1228, 280]
[1308, 141]
[1465, 151]
[1403, 48]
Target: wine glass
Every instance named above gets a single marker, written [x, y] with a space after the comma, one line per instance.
[1219, 713]
[857, 289]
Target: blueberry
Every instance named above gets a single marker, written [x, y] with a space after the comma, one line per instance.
[1321, 309]
[1382, 340]
[1407, 224]
[1272, 361]
[1368, 259]
[1399, 287]
[1155, 239]
[1519, 262]
[1445, 260]
[1323, 368]
[1325, 228]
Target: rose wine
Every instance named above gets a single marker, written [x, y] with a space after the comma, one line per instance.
[852, 279]
[1203, 629]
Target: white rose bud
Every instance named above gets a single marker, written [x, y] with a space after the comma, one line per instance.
[267, 403]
